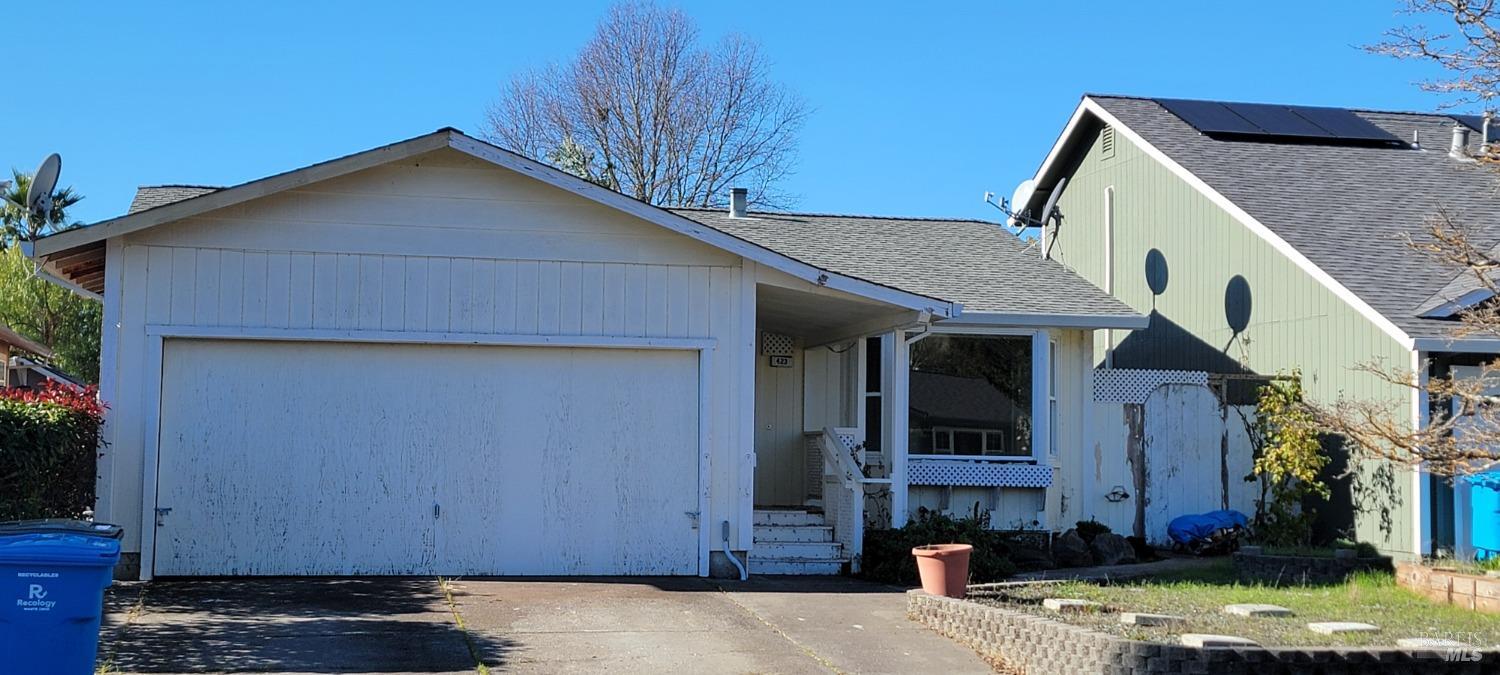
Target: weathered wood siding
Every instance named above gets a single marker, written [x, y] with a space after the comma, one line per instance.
[496, 460]
[780, 455]
[1294, 321]
[441, 243]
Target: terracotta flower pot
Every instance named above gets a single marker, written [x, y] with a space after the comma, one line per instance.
[944, 568]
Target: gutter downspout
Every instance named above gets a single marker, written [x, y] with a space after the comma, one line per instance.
[744, 573]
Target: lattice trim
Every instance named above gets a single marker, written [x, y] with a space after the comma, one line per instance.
[776, 344]
[1120, 385]
[977, 474]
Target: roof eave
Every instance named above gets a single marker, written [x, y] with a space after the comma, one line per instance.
[1091, 107]
[451, 138]
[1040, 320]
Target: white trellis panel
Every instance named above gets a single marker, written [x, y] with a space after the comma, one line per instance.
[1119, 385]
[978, 474]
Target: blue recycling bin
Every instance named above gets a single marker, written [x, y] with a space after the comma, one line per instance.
[52, 579]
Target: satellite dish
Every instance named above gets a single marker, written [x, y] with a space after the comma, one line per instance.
[1047, 217]
[1018, 201]
[43, 182]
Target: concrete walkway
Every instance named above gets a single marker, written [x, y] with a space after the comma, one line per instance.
[766, 625]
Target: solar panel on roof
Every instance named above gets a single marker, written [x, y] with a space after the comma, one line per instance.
[1209, 117]
[1475, 122]
[1277, 120]
[1271, 122]
[1344, 124]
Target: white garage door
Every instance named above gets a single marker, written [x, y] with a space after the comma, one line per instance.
[344, 458]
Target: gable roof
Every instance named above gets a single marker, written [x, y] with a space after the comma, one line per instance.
[1342, 212]
[945, 267]
[974, 262]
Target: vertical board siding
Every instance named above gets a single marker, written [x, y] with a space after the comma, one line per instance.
[441, 243]
[260, 289]
[192, 286]
[1295, 321]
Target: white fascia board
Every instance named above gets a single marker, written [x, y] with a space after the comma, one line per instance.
[699, 231]
[1457, 345]
[484, 151]
[219, 199]
[1083, 321]
[1055, 154]
[1092, 107]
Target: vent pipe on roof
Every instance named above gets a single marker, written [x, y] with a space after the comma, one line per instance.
[738, 198]
[1460, 146]
[1484, 134]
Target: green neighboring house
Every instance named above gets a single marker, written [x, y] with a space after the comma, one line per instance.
[1263, 238]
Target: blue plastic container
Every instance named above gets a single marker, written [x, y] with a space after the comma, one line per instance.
[1484, 503]
[52, 580]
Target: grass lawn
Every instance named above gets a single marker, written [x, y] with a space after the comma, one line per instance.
[1200, 595]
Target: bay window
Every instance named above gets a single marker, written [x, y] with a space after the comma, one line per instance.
[974, 396]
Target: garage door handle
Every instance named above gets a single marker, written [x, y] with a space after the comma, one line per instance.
[436, 510]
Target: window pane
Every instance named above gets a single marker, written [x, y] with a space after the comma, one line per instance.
[941, 442]
[872, 364]
[872, 423]
[981, 384]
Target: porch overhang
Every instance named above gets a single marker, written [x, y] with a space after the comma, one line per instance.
[1031, 320]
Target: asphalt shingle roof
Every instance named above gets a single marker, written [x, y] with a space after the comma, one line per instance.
[971, 262]
[152, 196]
[1347, 209]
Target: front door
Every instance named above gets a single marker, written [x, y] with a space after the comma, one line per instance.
[780, 452]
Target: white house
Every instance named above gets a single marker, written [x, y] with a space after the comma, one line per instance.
[437, 356]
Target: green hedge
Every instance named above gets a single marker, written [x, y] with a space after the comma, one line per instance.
[887, 554]
[49, 444]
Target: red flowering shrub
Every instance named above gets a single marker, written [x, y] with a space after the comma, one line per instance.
[49, 444]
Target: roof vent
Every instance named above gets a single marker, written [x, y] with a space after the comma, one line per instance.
[1460, 146]
[738, 198]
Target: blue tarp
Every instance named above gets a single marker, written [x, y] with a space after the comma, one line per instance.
[1186, 530]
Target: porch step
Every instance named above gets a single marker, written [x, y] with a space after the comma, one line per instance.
[792, 541]
[801, 550]
[760, 565]
[786, 517]
[770, 533]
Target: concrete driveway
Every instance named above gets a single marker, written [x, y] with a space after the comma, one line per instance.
[417, 625]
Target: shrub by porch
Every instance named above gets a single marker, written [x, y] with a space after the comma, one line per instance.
[49, 443]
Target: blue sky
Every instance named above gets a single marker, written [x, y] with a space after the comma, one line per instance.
[918, 107]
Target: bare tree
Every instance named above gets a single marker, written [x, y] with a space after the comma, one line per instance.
[1469, 51]
[644, 110]
[1462, 433]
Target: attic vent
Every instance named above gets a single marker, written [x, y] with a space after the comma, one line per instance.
[1107, 142]
[776, 344]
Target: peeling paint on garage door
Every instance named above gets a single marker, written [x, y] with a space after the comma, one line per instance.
[340, 458]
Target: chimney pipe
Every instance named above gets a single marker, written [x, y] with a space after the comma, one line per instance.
[1484, 136]
[737, 202]
[1460, 146]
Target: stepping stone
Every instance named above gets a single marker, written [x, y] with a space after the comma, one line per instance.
[1143, 619]
[1208, 640]
[1256, 610]
[1070, 605]
[1337, 627]
[1431, 643]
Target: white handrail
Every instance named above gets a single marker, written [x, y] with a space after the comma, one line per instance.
[844, 507]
